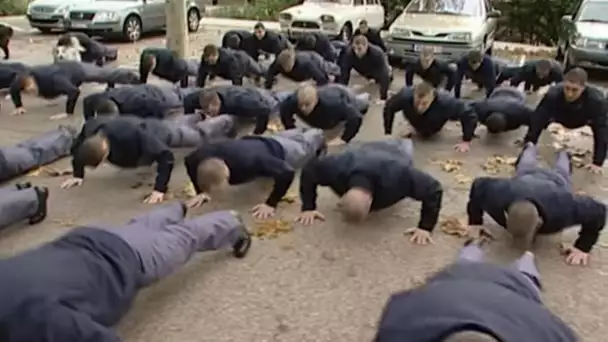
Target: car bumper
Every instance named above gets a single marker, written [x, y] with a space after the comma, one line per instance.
[93, 27]
[295, 33]
[588, 58]
[55, 22]
[406, 49]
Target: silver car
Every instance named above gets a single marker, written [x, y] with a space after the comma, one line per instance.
[585, 36]
[451, 28]
[49, 15]
[127, 19]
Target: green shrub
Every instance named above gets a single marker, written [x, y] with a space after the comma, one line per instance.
[13, 7]
[264, 10]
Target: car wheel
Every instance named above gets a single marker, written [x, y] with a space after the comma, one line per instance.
[346, 33]
[395, 61]
[566, 63]
[559, 56]
[45, 30]
[490, 50]
[194, 20]
[131, 30]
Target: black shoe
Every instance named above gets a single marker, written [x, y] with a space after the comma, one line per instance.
[43, 195]
[241, 248]
[24, 185]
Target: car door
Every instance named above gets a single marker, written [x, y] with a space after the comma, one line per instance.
[153, 14]
[374, 13]
[359, 11]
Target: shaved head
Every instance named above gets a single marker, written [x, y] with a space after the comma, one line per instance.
[470, 336]
[210, 102]
[523, 220]
[93, 151]
[287, 59]
[212, 174]
[307, 98]
[355, 205]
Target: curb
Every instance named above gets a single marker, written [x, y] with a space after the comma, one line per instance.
[236, 24]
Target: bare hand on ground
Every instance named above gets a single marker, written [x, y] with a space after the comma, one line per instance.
[198, 200]
[309, 217]
[574, 256]
[263, 211]
[154, 197]
[19, 111]
[72, 182]
[419, 236]
[60, 116]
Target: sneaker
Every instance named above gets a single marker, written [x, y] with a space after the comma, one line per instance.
[43, 195]
[24, 185]
[241, 248]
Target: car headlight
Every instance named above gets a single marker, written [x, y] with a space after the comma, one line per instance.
[466, 36]
[63, 10]
[327, 19]
[398, 31]
[29, 9]
[589, 43]
[106, 16]
[285, 17]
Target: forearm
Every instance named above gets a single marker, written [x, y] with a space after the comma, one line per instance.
[71, 101]
[281, 185]
[163, 174]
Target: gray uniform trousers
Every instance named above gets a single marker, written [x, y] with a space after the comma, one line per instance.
[191, 131]
[560, 175]
[525, 264]
[17, 205]
[110, 75]
[164, 240]
[38, 151]
[300, 145]
[401, 149]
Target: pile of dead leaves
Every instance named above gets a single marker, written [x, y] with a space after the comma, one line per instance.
[50, 172]
[579, 155]
[452, 225]
[271, 229]
[497, 164]
[449, 165]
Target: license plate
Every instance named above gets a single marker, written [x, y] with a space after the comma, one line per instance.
[436, 49]
[78, 25]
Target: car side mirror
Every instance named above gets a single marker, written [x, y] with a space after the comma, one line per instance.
[494, 14]
[567, 18]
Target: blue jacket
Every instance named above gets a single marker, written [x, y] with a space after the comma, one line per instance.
[72, 289]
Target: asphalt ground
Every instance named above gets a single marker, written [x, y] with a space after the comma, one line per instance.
[327, 282]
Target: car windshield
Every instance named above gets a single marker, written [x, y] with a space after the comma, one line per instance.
[454, 7]
[594, 12]
[343, 2]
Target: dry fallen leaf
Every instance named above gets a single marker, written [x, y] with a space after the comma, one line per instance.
[449, 165]
[54, 172]
[65, 222]
[35, 172]
[289, 198]
[271, 229]
[496, 164]
[463, 179]
[453, 226]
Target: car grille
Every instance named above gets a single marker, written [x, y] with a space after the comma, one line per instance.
[82, 15]
[43, 9]
[430, 41]
[306, 24]
[438, 35]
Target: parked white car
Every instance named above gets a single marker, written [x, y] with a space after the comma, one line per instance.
[451, 28]
[334, 18]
